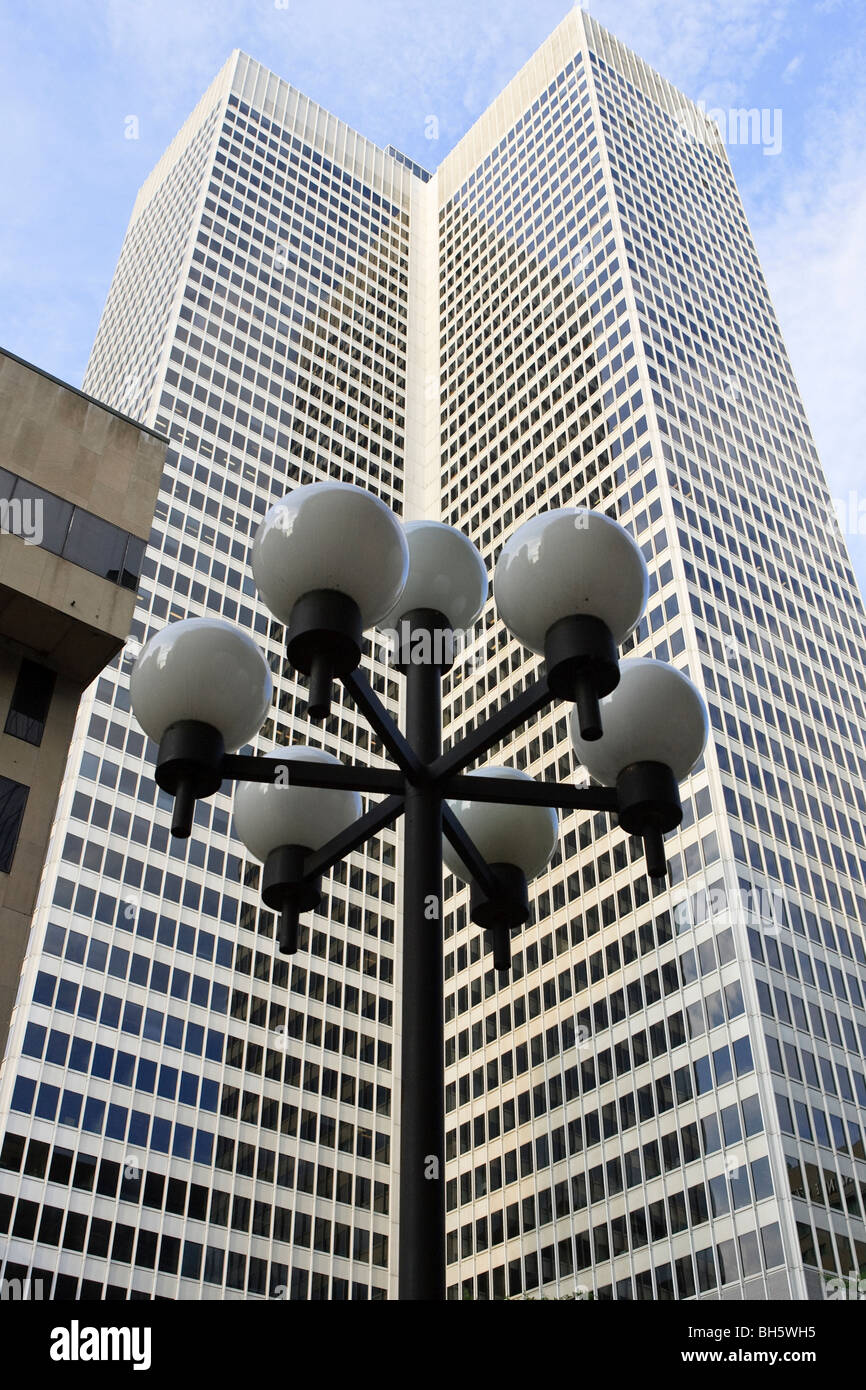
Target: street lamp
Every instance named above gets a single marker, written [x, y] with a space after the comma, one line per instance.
[199, 688]
[655, 730]
[281, 825]
[574, 598]
[331, 561]
[517, 842]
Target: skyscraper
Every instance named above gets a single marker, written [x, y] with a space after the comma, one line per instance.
[666, 1099]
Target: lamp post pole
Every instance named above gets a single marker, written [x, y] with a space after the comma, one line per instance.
[422, 1091]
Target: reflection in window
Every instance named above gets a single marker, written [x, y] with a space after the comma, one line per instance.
[95, 544]
[52, 514]
[13, 799]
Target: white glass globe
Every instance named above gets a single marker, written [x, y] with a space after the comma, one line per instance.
[521, 835]
[566, 562]
[330, 536]
[203, 669]
[269, 815]
[655, 715]
[446, 573]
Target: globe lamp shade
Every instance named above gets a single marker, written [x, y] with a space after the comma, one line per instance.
[268, 815]
[566, 563]
[203, 670]
[334, 537]
[572, 584]
[446, 575]
[280, 824]
[523, 836]
[655, 730]
[655, 715]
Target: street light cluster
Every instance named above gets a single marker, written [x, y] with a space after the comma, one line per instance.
[331, 561]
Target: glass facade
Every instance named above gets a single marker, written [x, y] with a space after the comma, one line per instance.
[666, 1100]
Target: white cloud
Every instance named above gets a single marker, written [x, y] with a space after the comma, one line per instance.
[703, 42]
[790, 72]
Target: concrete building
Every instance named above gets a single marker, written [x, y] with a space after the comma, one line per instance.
[78, 483]
[666, 1101]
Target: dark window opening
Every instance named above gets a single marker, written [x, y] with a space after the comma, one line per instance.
[30, 702]
[13, 799]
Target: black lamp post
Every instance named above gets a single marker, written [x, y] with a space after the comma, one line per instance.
[331, 560]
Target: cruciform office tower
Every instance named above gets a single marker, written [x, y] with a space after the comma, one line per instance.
[666, 1099]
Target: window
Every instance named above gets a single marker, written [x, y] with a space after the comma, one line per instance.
[78, 535]
[13, 799]
[30, 701]
[95, 544]
[56, 514]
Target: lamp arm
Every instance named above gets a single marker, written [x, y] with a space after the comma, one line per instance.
[498, 726]
[506, 792]
[306, 772]
[468, 851]
[379, 817]
[366, 700]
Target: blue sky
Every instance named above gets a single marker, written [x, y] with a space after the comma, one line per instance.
[72, 72]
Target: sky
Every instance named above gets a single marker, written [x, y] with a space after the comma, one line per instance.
[73, 73]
